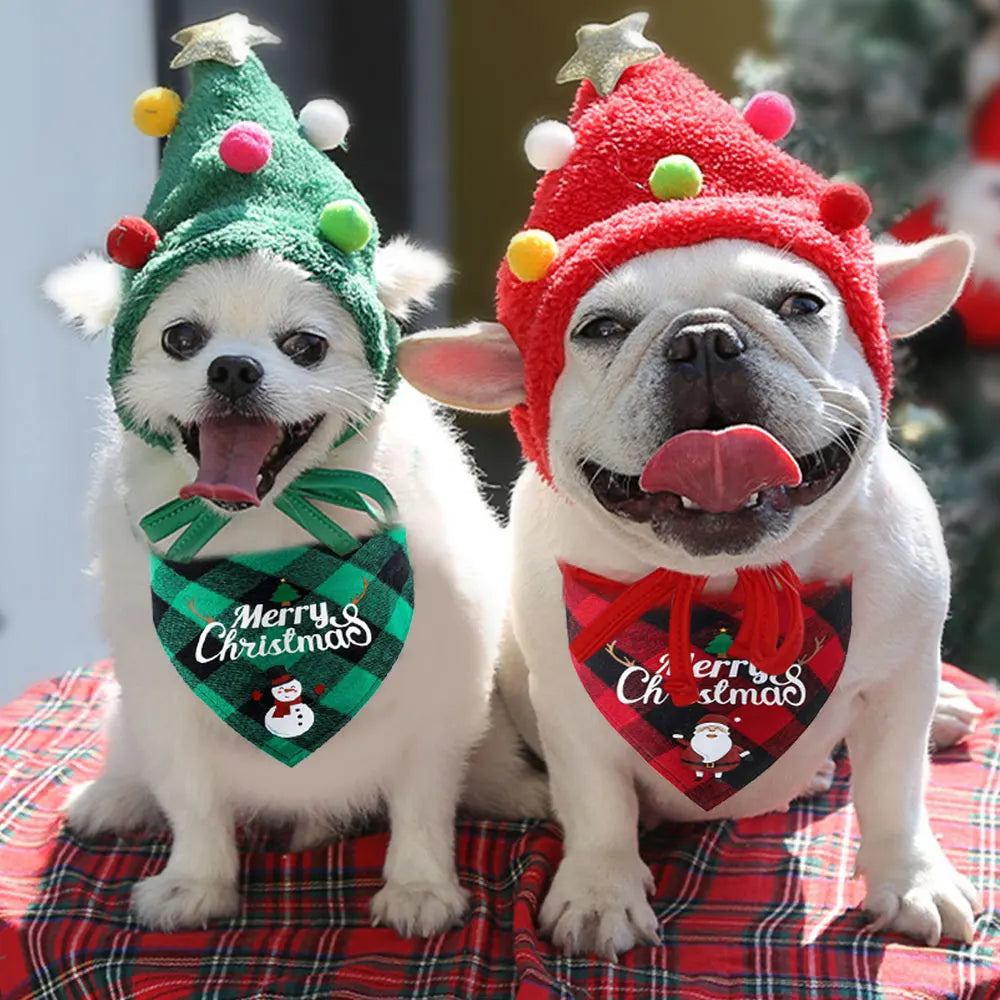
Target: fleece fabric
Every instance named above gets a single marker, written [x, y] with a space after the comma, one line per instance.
[601, 211]
[204, 210]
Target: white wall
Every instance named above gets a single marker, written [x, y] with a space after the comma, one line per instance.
[72, 163]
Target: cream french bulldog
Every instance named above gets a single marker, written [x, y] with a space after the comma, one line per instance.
[722, 568]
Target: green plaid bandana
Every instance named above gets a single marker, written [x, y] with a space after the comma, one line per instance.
[285, 646]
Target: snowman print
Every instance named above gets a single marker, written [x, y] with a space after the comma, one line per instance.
[289, 716]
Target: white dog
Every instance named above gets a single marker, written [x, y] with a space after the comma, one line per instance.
[860, 513]
[409, 746]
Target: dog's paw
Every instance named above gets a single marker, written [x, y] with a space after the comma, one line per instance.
[598, 905]
[822, 781]
[166, 901]
[112, 805]
[922, 897]
[954, 716]
[419, 909]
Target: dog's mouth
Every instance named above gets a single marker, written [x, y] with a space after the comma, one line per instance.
[239, 457]
[716, 496]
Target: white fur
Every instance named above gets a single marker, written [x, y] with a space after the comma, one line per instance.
[405, 276]
[86, 292]
[878, 526]
[409, 745]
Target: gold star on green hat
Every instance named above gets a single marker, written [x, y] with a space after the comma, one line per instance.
[226, 40]
[605, 51]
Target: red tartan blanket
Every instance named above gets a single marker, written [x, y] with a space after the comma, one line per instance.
[756, 909]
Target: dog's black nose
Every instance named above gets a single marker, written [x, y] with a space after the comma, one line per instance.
[705, 344]
[233, 375]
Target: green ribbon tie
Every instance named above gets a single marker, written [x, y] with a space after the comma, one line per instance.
[339, 487]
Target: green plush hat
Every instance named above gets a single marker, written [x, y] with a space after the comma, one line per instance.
[241, 173]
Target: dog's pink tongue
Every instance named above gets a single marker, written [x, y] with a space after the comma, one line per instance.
[720, 470]
[232, 450]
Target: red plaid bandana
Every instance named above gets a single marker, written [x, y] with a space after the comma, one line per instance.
[739, 719]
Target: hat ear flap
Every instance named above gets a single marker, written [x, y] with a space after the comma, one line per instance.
[87, 293]
[919, 282]
[477, 367]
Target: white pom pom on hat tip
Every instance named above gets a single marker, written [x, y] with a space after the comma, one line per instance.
[325, 123]
[549, 145]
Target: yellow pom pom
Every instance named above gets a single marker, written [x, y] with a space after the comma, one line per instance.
[530, 254]
[156, 110]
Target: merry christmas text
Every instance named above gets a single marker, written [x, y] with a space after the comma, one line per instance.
[330, 632]
[639, 684]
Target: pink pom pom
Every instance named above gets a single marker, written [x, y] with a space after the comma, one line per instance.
[770, 114]
[245, 147]
[844, 206]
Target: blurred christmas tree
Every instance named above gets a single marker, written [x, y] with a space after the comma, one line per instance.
[903, 96]
[878, 87]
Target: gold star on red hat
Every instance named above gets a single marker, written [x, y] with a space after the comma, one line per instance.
[605, 51]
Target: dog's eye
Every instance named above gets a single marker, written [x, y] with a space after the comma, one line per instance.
[602, 328]
[184, 340]
[306, 349]
[802, 304]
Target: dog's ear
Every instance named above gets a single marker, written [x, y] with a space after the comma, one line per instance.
[477, 367]
[919, 282]
[405, 275]
[87, 293]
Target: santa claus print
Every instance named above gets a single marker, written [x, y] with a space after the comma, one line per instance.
[289, 716]
[712, 748]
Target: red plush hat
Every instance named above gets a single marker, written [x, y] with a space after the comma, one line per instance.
[652, 158]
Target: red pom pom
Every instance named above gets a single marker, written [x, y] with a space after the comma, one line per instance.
[245, 147]
[770, 114]
[131, 241]
[844, 206]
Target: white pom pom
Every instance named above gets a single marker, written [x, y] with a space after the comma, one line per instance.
[325, 123]
[548, 145]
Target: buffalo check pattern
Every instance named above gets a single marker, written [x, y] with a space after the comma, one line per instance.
[651, 725]
[188, 595]
[761, 909]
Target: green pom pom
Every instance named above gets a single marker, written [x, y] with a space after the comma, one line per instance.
[346, 225]
[676, 176]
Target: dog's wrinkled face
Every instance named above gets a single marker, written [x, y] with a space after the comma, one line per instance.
[254, 367]
[706, 338]
[714, 400]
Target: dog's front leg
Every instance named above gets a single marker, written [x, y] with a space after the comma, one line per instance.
[421, 894]
[199, 881]
[911, 886]
[597, 901]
